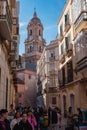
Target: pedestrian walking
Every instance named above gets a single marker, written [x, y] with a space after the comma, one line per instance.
[36, 114]
[23, 124]
[80, 116]
[58, 125]
[70, 119]
[52, 118]
[17, 119]
[4, 122]
[32, 120]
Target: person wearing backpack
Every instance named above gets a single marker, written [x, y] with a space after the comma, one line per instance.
[46, 122]
[43, 121]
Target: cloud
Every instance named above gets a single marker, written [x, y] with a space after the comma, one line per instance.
[22, 24]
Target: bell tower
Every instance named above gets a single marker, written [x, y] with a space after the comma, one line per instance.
[35, 43]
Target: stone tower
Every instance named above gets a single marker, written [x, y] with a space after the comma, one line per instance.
[34, 44]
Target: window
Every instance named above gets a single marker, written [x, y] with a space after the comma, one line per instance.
[17, 30]
[62, 49]
[31, 48]
[64, 103]
[40, 49]
[54, 100]
[39, 33]
[30, 32]
[69, 71]
[61, 30]
[52, 55]
[67, 42]
[63, 76]
[66, 19]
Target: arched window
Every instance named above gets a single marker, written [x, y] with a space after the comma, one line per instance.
[64, 104]
[40, 49]
[39, 33]
[72, 102]
[30, 32]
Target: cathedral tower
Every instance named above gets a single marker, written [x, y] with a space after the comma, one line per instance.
[34, 44]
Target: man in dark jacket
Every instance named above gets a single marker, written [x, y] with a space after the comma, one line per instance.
[23, 124]
[52, 114]
[4, 123]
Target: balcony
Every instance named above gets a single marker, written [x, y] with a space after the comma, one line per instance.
[81, 51]
[69, 51]
[62, 58]
[67, 26]
[52, 89]
[81, 22]
[81, 65]
[5, 20]
[52, 58]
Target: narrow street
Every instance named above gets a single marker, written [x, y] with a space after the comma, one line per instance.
[43, 65]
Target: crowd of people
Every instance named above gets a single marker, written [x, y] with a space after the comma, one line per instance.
[28, 118]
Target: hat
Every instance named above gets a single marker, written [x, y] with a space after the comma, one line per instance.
[3, 111]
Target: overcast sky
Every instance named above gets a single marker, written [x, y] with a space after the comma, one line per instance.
[48, 11]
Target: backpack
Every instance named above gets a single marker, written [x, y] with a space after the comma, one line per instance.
[45, 124]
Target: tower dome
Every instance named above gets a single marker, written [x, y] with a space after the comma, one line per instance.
[35, 20]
